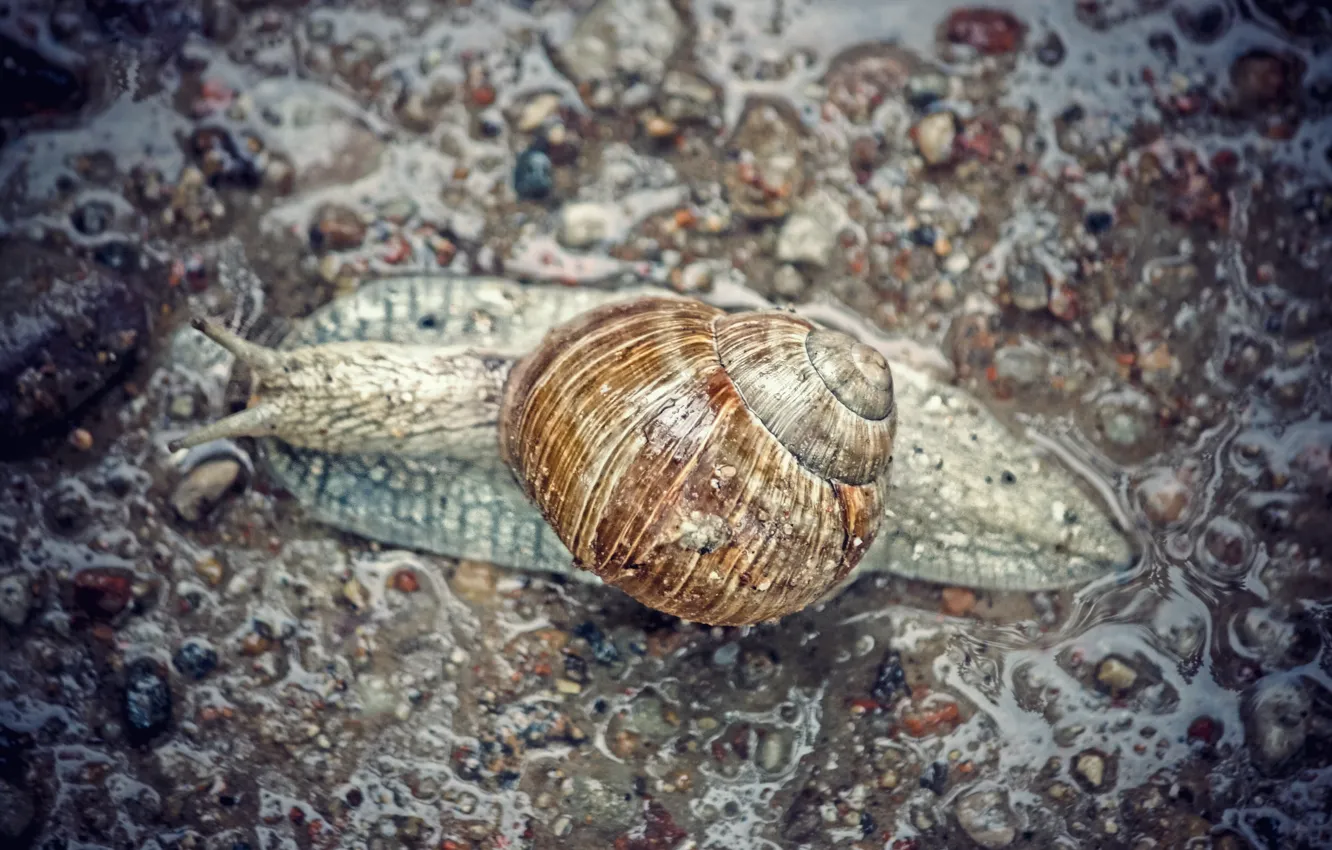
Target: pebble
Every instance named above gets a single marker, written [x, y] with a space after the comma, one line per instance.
[1098, 221]
[1123, 426]
[957, 263]
[686, 97]
[890, 682]
[1067, 736]
[562, 827]
[934, 136]
[926, 88]
[254, 644]
[1051, 51]
[147, 698]
[103, 592]
[1116, 676]
[788, 282]
[1103, 324]
[958, 601]
[1028, 288]
[986, 817]
[204, 487]
[935, 777]
[925, 235]
[695, 277]
[726, 655]
[989, 31]
[15, 600]
[764, 165]
[336, 228]
[117, 255]
[585, 224]
[1021, 365]
[354, 592]
[1163, 497]
[1278, 638]
[397, 211]
[629, 39]
[474, 581]
[1261, 78]
[1089, 766]
[804, 239]
[774, 753]
[210, 570]
[17, 811]
[181, 407]
[658, 127]
[603, 648]
[810, 234]
[1277, 712]
[92, 218]
[536, 112]
[1205, 730]
[68, 508]
[944, 293]
[533, 175]
[220, 20]
[195, 659]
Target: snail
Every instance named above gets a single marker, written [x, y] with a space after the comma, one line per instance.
[725, 467]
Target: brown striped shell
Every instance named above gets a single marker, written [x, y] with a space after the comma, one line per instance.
[722, 468]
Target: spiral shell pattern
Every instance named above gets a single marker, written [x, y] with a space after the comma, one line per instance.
[641, 451]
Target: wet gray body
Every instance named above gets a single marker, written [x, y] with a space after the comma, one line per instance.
[968, 502]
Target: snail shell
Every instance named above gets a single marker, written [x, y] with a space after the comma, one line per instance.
[722, 468]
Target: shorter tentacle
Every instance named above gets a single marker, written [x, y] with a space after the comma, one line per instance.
[257, 421]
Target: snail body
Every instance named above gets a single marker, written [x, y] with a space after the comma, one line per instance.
[725, 467]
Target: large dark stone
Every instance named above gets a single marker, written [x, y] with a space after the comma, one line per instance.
[68, 329]
[32, 83]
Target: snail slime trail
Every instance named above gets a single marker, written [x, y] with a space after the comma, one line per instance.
[793, 425]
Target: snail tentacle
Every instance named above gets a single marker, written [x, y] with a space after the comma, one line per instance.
[257, 421]
[260, 359]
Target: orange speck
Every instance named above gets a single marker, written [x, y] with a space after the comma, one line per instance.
[483, 95]
[920, 724]
[958, 601]
[80, 439]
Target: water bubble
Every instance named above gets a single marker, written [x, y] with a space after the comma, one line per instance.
[1203, 21]
[1225, 549]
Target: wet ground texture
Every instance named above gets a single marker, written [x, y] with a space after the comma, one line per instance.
[1114, 218]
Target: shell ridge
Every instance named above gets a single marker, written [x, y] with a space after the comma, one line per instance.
[737, 558]
[705, 418]
[547, 397]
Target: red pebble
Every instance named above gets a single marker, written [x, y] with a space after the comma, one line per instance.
[1204, 729]
[102, 592]
[990, 31]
